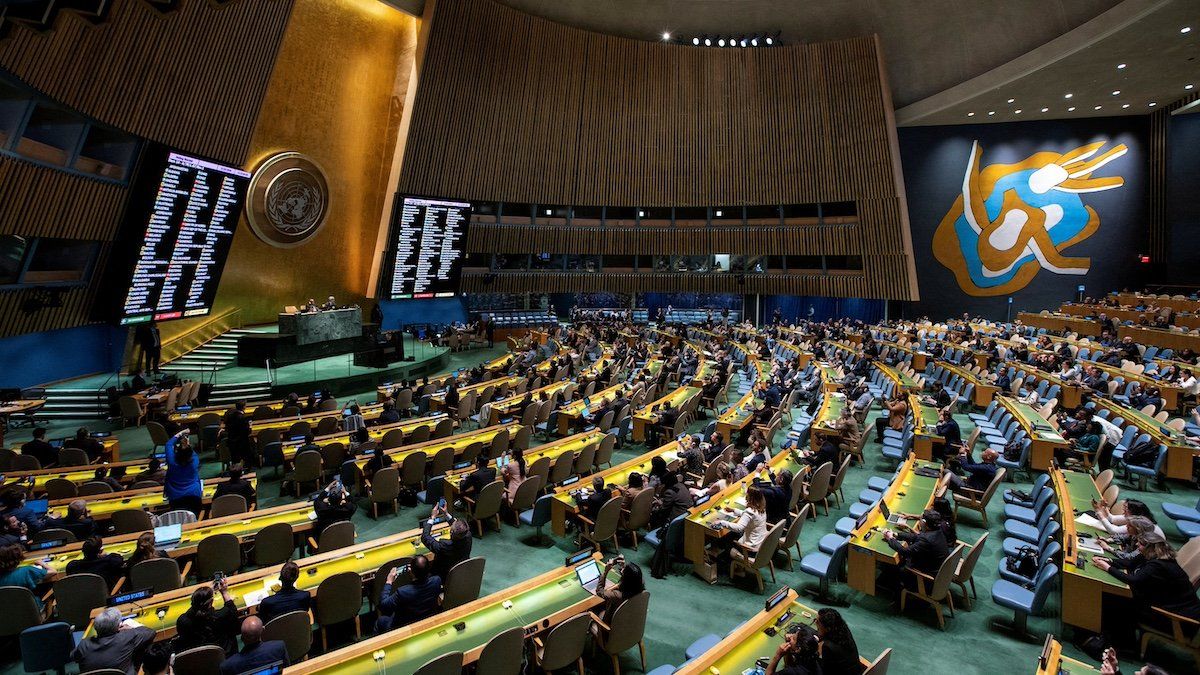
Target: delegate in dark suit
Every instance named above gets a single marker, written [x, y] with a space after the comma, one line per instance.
[255, 656]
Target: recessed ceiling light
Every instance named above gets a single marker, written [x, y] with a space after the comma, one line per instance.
[1096, 108]
[1068, 96]
[1185, 29]
[991, 112]
[1071, 109]
[1017, 111]
[1125, 106]
[1152, 104]
[718, 214]
[641, 214]
[1116, 92]
[707, 42]
[1011, 100]
[1045, 110]
[666, 35]
[696, 41]
[1120, 66]
[1187, 86]
[970, 114]
[548, 211]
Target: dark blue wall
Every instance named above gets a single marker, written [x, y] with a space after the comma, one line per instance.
[398, 313]
[935, 161]
[38, 358]
[792, 307]
[1183, 199]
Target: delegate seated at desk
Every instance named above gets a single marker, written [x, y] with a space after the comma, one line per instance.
[311, 306]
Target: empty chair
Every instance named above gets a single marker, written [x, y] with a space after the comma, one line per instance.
[94, 487]
[563, 645]
[446, 664]
[1024, 601]
[308, 466]
[73, 457]
[218, 553]
[60, 488]
[463, 582]
[826, 567]
[525, 496]
[47, 647]
[792, 536]
[412, 470]
[967, 498]
[339, 598]
[274, 544]
[385, 489]
[503, 654]
[130, 521]
[626, 631]
[486, 505]
[605, 528]
[818, 487]
[76, 595]
[538, 516]
[227, 505]
[160, 574]
[204, 660]
[965, 572]
[295, 630]
[337, 535]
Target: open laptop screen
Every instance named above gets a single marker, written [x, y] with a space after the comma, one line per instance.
[588, 573]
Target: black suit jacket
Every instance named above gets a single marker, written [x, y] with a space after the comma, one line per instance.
[446, 552]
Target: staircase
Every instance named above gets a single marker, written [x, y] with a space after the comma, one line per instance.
[216, 354]
[74, 404]
[232, 392]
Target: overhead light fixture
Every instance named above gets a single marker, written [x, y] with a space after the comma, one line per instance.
[666, 35]
[991, 112]
[1071, 109]
[1120, 66]
[1068, 96]
[1017, 111]
[1011, 100]
[641, 214]
[707, 42]
[1097, 108]
[696, 41]
[1045, 110]
[1116, 92]
[753, 42]
[1187, 86]
[743, 42]
[1125, 106]
[1185, 29]
[718, 213]
[770, 41]
[970, 114]
[548, 212]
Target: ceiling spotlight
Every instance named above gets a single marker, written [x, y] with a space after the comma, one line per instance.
[1097, 108]
[1011, 100]
[1071, 109]
[1185, 29]
[1152, 104]
[991, 112]
[753, 42]
[1045, 110]
[696, 41]
[743, 42]
[1116, 92]
[1120, 66]
[721, 42]
[1068, 96]
[707, 42]
[1017, 111]
[1125, 106]
[718, 214]
[770, 41]
[666, 35]
[970, 114]
[1187, 86]
[641, 214]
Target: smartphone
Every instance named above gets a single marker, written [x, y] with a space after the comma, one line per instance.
[218, 576]
[441, 503]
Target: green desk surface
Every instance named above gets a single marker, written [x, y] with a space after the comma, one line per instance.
[1032, 418]
[742, 410]
[457, 441]
[1145, 422]
[245, 589]
[78, 475]
[911, 494]
[758, 644]
[831, 409]
[925, 415]
[734, 496]
[902, 379]
[244, 526]
[410, 652]
[1081, 490]
[675, 398]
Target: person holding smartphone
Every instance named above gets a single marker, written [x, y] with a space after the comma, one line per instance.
[446, 552]
[183, 487]
[203, 625]
[797, 655]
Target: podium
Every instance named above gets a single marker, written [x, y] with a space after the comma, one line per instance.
[313, 327]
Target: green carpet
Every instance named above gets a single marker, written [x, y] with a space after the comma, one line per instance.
[684, 608]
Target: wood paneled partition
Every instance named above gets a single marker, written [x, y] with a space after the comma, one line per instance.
[516, 108]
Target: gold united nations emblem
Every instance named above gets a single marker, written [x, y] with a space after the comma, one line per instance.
[288, 201]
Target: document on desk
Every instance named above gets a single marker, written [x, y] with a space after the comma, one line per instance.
[1089, 521]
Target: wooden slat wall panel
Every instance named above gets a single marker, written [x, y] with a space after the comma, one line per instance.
[36, 201]
[193, 79]
[538, 112]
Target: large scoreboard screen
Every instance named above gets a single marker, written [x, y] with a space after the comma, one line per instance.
[430, 237]
[185, 234]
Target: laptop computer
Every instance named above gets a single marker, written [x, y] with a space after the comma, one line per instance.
[269, 669]
[892, 518]
[589, 576]
[167, 536]
[38, 506]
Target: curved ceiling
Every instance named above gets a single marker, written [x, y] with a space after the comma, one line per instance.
[929, 46]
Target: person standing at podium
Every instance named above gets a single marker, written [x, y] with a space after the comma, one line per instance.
[329, 304]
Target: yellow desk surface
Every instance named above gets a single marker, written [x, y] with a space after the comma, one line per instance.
[376, 433]
[984, 392]
[1045, 438]
[1084, 584]
[1055, 663]
[563, 503]
[738, 651]
[572, 444]
[568, 414]
[1179, 453]
[506, 407]
[644, 417]
[242, 525]
[536, 605]
[76, 474]
[458, 441]
[162, 611]
[903, 381]
[832, 404]
[101, 507]
[909, 493]
[1070, 394]
[194, 415]
[438, 400]
[369, 412]
[925, 421]
[737, 416]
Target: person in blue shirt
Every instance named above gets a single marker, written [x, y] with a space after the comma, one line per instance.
[14, 505]
[411, 603]
[13, 573]
[182, 487]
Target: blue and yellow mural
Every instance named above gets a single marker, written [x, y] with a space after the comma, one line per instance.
[1012, 221]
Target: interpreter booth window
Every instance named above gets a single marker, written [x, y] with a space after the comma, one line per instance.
[551, 216]
[803, 264]
[762, 216]
[622, 216]
[106, 153]
[800, 215]
[620, 263]
[512, 262]
[549, 262]
[14, 104]
[516, 214]
[691, 216]
[12, 258]
[60, 261]
[583, 263]
[651, 216]
[51, 135]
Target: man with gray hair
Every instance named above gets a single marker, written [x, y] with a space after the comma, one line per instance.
[112, 645]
